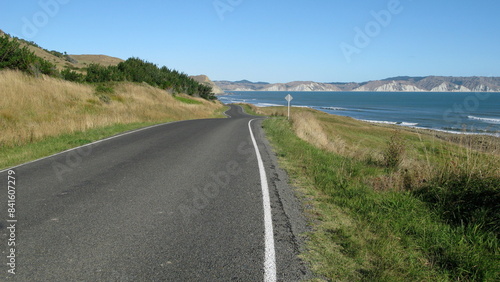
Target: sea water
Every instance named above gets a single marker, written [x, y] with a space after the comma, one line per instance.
[457, 112]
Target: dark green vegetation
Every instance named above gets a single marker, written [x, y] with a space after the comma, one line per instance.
[137, 70]
[465, 201]
[445, 229]
[13, 56]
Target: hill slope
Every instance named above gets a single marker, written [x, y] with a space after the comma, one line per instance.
[205, 80]
[96, 59]
[57, 107]
[396, 84]
[63, 60]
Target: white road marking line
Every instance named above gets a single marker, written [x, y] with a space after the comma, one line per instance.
[90, 144]
[96, 142]
[270, 255]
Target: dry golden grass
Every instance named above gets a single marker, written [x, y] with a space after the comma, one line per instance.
[32, 108]
[309, 129]
[426, 155]
[84, 60]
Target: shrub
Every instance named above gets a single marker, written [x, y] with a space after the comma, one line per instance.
[13, 56]
[393, 154]
[70, 75]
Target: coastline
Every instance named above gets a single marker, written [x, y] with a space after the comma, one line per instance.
[448, 114]
[389, 123]
[229, 92]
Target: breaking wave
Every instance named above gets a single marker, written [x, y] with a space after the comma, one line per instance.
[487, 120]
[392, 122]
[333, 108]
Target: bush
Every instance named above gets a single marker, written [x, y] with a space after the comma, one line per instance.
[13, 56]
[137, 70]
[97, 74]
[70, 75]
[393, 154]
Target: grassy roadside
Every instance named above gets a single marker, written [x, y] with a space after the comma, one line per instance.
[14, 155]
[392, 205]
[43, 116]
[251, 109]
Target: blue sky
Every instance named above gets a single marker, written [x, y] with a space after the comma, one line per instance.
[273, 40]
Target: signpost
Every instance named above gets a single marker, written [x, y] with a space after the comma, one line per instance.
[289, 98]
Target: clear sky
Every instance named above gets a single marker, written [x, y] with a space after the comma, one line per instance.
[273, 40]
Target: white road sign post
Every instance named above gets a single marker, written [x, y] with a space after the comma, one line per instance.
[289, 98]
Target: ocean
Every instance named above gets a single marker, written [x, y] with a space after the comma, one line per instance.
[457, 112]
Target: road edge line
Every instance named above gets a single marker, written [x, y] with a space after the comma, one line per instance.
[90, 144]
[270, 253]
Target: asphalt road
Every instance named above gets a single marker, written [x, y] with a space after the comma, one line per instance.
[175, 202]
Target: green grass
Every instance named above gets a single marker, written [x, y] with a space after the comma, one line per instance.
[187, 100]
[250, 109]
[220, 113]
[363, 234]
[14, 155]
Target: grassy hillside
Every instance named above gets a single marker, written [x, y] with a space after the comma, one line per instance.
[17, 54]
[51, 101]
[75, 62]
[392, 204]
[33, 109]
[86, 60]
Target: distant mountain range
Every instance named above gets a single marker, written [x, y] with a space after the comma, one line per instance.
[394, 84]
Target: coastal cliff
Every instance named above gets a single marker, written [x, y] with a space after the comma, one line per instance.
[396, 84]
[205, 80]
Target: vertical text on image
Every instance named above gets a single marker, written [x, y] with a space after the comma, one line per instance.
[11, 221]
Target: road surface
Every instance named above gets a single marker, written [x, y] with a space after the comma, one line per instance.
[176, 202]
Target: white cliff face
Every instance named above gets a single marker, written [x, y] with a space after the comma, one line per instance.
[397, 87]
[441, 88]
[362, 89]
[404, 84]
[243, 89]
[391, 87]
[306, 86]
[275, 87]
[484, 88]
[463, 89]
[446, 87]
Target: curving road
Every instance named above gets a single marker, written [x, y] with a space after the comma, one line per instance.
[176, 202]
